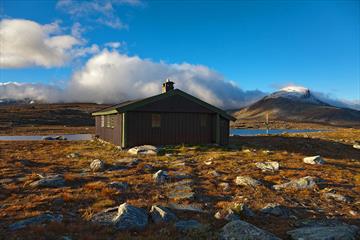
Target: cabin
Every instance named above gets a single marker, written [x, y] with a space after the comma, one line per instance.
[172, 117]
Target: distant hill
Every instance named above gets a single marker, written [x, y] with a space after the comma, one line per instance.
[298, 104]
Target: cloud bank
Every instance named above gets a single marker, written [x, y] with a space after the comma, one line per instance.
[26, 43]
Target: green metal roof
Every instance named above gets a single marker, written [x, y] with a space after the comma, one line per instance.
[134, 104]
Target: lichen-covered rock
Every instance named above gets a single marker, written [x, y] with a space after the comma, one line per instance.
[243, 210]
[188, 226]
[298, 184]
[318, 160]
[337, 197]
[40, 219]
[160, 176]
[97, 165]
[276, 210]
[246, 181]
[49, 181]
[161, 214]
[130, 218]
[268, 166]
[240, 230]
[325, 230]
[144, 150]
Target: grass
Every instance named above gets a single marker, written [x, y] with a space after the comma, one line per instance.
[87, 193]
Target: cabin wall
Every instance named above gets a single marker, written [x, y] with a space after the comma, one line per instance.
[112, 134]
[175, 128]
[224, 131]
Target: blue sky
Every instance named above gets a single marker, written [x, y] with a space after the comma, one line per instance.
[256, 44]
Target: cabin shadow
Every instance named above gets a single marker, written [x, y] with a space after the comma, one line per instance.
[304, 146]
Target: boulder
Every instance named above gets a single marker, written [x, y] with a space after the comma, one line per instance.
[276, 210]
[314, 160]
[73, 155]
[130, 218]
[188, 226]
[144, 150]
[160, 176]
[356, 146]
[40, 219]
[228, 215]
[239, 230]
[225, 186]
[337, 197]
[268, 166]
[121, 186]
[246, 181]
[49, 181]
[161, 214]
[106, 216]
[298, 184]
[325, 230]
[243, 210]
[97, 165]
[128, 162]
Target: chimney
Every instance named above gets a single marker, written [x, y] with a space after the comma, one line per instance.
[167, 86]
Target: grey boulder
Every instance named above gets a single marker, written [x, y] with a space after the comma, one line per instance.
[161, 214]
[130, 218]
[318, 160]
[246, 181]
[268, 166]
[298, 184]
[49, 181]
[160, 176]
[40, 219]
[97, 165]
[276, 210]
[188, 226]
[144, 150]
[239, 230]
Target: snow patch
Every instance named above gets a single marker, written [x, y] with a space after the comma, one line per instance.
[297, 89]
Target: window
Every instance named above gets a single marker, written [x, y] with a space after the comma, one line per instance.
[155, 120]
[112, 121]
[102, 121]
[203, 120]
[108, 121]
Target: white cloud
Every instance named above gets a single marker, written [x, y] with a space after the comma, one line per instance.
[114, 44]
[104, 12]
[111, 77]
[26, 43]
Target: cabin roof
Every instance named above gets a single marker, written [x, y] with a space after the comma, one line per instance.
[134, 104]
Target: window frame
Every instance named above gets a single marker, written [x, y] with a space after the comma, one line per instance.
[102, 121]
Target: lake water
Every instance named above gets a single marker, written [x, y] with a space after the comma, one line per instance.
[70, 137]
[253, 132]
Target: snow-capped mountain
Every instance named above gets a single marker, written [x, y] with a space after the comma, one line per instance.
[299, 104]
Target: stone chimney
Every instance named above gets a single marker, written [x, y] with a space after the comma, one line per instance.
[167, 86]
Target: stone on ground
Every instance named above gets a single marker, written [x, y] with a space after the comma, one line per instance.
[121, 186]
[225, 186]
[97, 165]
[228, 215]
[161, 214]
[337, 197]
[144, 150]
[40, 219]
[356, 146]
[73, 155]
[298, 184]
[128, 162]
[130, 218]
[318, 160]
[246, 181]
[268, 166]
[276, 210]
[243, 210]
[160, 176]
[240, 230]
[49, 181]
[180, 190]
[325, 230]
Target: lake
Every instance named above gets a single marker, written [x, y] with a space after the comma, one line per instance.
[253, 132]
[71, 137]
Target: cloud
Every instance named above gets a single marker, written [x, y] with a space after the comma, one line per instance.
[26, 43]
[104, 12]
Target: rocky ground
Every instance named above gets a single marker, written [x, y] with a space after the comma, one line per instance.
[295, 186]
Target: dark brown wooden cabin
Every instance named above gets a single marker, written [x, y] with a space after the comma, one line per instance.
[172, 117]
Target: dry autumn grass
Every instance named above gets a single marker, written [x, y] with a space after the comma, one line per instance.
[86, 193]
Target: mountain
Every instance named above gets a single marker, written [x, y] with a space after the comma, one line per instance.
[298, 104]
[11, 101]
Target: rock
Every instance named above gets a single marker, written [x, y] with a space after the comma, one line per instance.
[301, 183]
[130, 218]
[314, 160]
[181, 176]
[186, 207]
[268, 166]
[40, 219]
[128, 162]
[208, 162]
[246, 181]
[214, 173]
[106, 216]
[243, 209]
[161, 214]
[160, 176]
[180, 190]
[240, 230]
[276, 210]
[73, 155]
[188, 226]
[49, 181]
[225, 186]
[121, 186]
[228, 215]
[246, 151]
[144, 150]
[97, 165]
[337, 197]
[356, 146]
[325, 230]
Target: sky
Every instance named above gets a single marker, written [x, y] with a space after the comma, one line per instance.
[229, 53]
